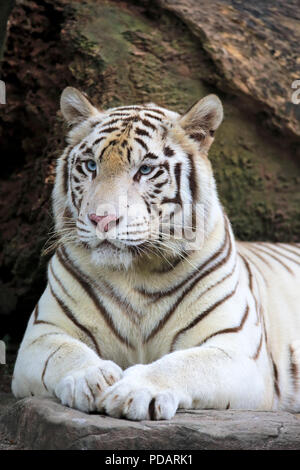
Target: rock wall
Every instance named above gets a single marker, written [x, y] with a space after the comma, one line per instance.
[124, 52]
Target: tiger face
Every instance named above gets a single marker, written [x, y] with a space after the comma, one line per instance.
[135, 181]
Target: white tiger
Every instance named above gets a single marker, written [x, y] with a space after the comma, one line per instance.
[139, 324]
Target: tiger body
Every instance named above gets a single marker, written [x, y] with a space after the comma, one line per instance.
[138, 334]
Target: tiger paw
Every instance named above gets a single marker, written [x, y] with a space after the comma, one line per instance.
[138, 399]
[82, 388]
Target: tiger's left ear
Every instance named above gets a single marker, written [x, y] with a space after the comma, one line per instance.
[202, 120]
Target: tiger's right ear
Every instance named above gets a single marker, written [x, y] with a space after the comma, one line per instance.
[202, 120]
[75, 107]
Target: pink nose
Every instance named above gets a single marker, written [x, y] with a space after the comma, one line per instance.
[102, 221]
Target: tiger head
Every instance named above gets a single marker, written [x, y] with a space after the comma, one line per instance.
[134, 182]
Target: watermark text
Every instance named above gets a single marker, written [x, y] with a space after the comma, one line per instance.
[2, 92]
[2, 353]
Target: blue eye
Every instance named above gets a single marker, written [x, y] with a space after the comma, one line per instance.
[145, 169]
[91, 165]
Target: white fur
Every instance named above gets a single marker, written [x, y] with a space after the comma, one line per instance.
[244, 354]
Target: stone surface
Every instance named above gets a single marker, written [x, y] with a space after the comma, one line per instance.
[34, 423]
[6, 402]
[255, 46]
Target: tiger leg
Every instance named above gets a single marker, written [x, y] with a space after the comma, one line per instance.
[202, 377]
[54, 364]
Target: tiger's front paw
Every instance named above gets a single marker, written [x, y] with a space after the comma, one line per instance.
[137, 398]
[81, 389]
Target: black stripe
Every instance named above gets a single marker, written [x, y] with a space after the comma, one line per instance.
[294, 370]
[124, 306]
[262, 258]
[60, 283]
[109, 129]
[202, 316]
[177, 198]
[119, 114]
[198, 136]
[47, 334]
[276, 379]
[109, 123]
[150, 155]
[157, 174]
[284, 247]
[80, 170]
[105, 148]
[170, 266]
[36, 321]
[129, 120]
[250, 281]
[148, 124]
[224, 278]
[250, 275]
[76, 179]
[188, 289]
[128, 155]
[277, 251]
[85, 283]
[72, 165]
[65, 170]
[235, 329]
[97, 141]
[155, 110]
[197, 272]
[88, 152]
[139, 131]
[73, 200]
[148, 206]
[130, 108]
[141, 142]
[70, 315]
[46, 365]
[253, 263]
[160, 185]
[255, 356]
[275, 258]
[94, 124]
[168, 151]
[153, 117]
[192, 178]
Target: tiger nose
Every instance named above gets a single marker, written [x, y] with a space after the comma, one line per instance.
[103, 221]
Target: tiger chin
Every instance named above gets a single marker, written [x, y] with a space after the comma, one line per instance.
[137, 319]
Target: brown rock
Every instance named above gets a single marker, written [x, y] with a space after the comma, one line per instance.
[255, 47]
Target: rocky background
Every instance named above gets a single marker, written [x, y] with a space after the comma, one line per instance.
[172, 52]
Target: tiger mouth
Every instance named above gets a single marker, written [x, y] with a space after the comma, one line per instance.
[135, 249]
[107, 244]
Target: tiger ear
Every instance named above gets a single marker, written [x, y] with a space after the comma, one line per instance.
[75, 107]
[202, 119]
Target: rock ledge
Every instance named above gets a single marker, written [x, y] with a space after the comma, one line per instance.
[34, 423]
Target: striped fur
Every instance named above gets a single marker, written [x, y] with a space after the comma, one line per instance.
[137, 330]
